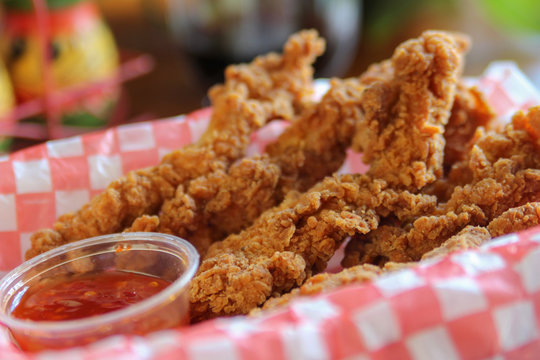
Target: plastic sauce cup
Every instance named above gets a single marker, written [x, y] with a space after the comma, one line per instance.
[160, 255]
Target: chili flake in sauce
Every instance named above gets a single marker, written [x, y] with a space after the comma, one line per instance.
[81, 296]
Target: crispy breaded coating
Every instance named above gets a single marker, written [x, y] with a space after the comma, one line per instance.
[315, 146]
[271, 86]
[322, 283]
[516, 219]
[145, 223]
[469, 112]
[505, 172]
[468, 238]
[292, 241]
[513, 220]
[312, 147]
[222, 201]
[288, 243]
[326, 282]
[412, 111]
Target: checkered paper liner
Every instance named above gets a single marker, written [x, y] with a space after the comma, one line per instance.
[474, 305]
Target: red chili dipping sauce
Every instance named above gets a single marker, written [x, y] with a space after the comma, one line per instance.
[81, 296]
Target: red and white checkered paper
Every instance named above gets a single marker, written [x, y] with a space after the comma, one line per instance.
[473, 305]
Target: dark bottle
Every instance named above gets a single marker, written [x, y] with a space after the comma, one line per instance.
[215, 33]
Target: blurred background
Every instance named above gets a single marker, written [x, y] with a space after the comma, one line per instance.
[189, 43]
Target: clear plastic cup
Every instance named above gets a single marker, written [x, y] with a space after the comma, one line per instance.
[160, 255]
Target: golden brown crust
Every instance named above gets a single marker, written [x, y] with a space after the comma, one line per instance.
[401, 136]
[515, 219]
[504, 172]
[469, 112]
[271, 86]
[468, 238]
[313, 224]
[324, 282]
[312, 147]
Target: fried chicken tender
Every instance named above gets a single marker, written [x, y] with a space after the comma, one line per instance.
[312, 147]
[290, 242]
[316, 145]
[287, 244]
[243, 270]
[470, 111]
[388, 237]
[504, 168]
[412, 111]
[468, 238]
[516, 219]
[322, 283]
[326, 282]
[272, 86]
[513, 220]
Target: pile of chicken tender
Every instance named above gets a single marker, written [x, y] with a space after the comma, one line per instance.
[443, 175]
